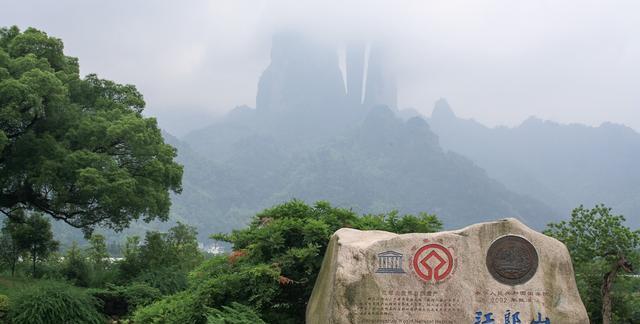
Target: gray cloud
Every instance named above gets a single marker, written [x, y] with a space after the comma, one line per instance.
[497, 61]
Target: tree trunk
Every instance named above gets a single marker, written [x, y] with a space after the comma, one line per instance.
[33, 256]
[14, 260]
[13, 267]
[606, 294]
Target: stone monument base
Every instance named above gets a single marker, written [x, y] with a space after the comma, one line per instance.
[497, 272]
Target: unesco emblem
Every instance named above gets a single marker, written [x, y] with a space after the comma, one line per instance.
[390, 262]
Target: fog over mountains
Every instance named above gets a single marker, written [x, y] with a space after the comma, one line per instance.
[315, 136]
[562, 165]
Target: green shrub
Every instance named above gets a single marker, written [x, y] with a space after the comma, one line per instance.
[50, 302]
[140, 294]
[214, 285]
[50, 269]
[75, 267]
[120, 301]
[102, 277]
[168, 280]
[113, 303]
[234, 314]
[180, 308]
[4, 306]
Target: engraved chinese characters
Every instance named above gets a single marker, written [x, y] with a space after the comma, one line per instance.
[512, 260]
[376, 277]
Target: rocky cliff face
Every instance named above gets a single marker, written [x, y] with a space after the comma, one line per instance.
[381, 81]
[355, 57]
[303, 76]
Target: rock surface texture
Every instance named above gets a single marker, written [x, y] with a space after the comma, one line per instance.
[497, 272]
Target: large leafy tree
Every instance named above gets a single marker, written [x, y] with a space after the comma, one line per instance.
[77, 149]
[601, 248]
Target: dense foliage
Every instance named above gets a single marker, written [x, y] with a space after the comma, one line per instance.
[27, 236]
[54, 303]
[234, 314]
[77, 149]
[151, 269]
[182, 307]
[4, 306]
[118, 301]
[602, 249]
[274, 264]
[75, 267]
[162, 260]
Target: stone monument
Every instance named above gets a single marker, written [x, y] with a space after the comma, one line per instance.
[490, 273]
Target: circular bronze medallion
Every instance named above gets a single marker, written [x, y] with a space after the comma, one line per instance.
[512, 260]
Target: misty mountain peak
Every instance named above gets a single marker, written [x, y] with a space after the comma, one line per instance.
[381, 115]
[303, 74]
[442, 110]
[535, 122]
[381, 88]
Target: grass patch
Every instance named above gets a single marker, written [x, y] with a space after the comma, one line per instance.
[11, 286]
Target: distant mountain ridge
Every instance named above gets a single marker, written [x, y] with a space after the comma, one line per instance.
[562, 165]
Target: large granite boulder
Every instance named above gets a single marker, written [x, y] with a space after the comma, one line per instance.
[497, 272]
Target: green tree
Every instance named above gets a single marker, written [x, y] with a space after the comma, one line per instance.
[33, 234]
[155, 252]
[77, 149]
[392, 222]
[75, 267]
[601, 247]
[97, 252]
[177, 248]
[131, 264]
[9, 249]
[183, 240]
[163, 260]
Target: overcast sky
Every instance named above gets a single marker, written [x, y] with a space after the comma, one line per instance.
[498, 61]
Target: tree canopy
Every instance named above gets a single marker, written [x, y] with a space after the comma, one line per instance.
[601, 247]
[77, 149]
